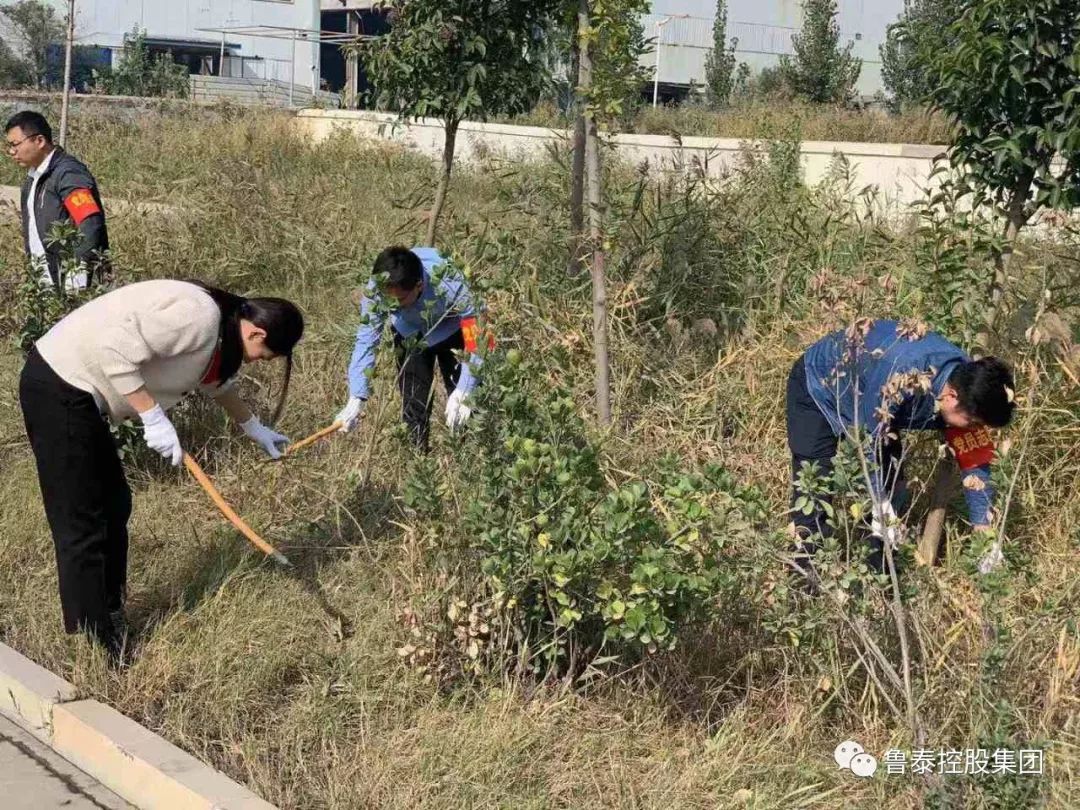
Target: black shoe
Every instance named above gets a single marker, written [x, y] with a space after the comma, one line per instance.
[119, 622]
[118, 644]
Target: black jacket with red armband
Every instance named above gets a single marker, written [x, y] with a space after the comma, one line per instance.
[67, 192]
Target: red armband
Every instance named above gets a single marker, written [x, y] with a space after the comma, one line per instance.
[972, 447]
[81, 204]
[470, 332]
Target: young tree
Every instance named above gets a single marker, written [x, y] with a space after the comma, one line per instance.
[920, 32]
[720, 63]
[610, 45]
[456, 60]
[820, 70]
[33, 26]
[615, 77]
[1011, 85]
[576, 259]
[69, 46]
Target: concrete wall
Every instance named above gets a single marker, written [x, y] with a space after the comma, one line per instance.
[257, 91]
[898, 171]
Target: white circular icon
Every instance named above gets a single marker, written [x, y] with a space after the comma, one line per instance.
[864, 765]
[844, 753]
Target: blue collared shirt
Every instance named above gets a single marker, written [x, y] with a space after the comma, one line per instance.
[435, 316]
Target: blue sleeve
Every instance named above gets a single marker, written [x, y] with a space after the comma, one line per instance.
[979, 501]
[467, 381]
[455, 292]
[367, 343]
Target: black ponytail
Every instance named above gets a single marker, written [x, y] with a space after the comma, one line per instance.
[280, 319]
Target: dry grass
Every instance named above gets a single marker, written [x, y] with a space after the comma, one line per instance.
[290, 681]
[754, 119]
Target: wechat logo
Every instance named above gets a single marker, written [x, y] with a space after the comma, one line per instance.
[851, 756]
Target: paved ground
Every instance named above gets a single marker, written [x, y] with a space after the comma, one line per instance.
[34, 777]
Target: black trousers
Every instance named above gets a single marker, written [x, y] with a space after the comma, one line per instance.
[86, 496]
[416, 373]
[811, 439]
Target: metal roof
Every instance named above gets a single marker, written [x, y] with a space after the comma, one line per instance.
[188, 43]
[285, 32]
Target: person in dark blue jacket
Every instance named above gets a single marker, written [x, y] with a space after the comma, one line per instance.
[869, 383]
[57, 188]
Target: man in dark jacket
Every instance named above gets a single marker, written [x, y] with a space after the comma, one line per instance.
[58, 188]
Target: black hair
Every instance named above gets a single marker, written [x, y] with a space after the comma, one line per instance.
[984, 390]
[282, 321]
[399, 267]
[31, 123]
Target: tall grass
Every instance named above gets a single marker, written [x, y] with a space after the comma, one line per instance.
[761, 119]
[292, 683]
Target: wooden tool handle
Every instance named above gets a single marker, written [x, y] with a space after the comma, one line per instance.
[314, 437]
[235, 519]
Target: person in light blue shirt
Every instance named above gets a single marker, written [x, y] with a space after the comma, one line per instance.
[432, 317]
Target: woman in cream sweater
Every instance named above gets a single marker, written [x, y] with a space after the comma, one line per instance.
[134, 351]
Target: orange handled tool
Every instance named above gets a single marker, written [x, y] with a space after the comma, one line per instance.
[314, 437]
[235, 519]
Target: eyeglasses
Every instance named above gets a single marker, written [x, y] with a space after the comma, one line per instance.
[11, 147]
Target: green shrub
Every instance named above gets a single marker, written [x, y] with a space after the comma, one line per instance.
[579, 564]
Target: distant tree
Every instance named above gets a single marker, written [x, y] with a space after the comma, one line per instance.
[140, 73]
[820, 70]
[14, 72]
[921, 31]
[720, 62]
[32, 27]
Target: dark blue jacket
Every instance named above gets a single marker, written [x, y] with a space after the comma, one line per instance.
[846, 378]
[53, 202]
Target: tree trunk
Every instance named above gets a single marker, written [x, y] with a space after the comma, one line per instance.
[574, 264]
[444, 180]
[1017, 219]
[596, 236]
[65, 99]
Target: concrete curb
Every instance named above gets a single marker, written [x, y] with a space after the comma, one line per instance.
[29, 693]
[133, 762]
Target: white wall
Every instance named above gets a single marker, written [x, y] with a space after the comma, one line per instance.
[900, 172]
[105, 22]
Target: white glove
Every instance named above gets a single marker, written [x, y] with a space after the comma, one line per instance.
[265, 437]
[884, 525]
[350, 414]
[160, 435]
[457, 412]
[76, 281]
[991, 559]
